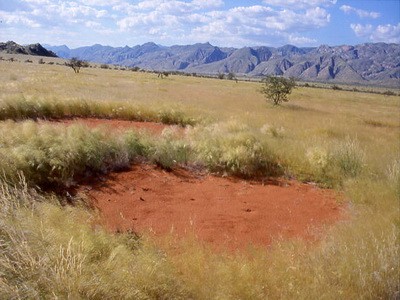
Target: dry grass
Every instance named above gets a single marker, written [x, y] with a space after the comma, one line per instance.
[348, 140]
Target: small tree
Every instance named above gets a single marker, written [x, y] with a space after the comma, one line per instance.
[163, 74]
[76, 64]
[277, 89]
[231, 76]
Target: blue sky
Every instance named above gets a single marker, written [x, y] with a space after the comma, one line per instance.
[234, 23]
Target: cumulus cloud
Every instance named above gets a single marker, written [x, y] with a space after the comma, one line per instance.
[99, 2]
[37, 2]
[382, 33]
[360, 12]
[302, 4]
[92, 24]
[18, 18]
[182, 21]
[255, 23]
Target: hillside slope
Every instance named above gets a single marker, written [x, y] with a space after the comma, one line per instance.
[11, 47]
[361, 64]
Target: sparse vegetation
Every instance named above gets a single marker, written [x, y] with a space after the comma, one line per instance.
[48, 250]
[76, 64]
[20, 108]
[162, 74]
[277, 89]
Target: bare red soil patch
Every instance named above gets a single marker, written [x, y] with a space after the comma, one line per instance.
[222, 211]
[114, 124]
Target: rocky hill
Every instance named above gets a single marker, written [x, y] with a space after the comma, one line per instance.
[377, 64]
[33, 49]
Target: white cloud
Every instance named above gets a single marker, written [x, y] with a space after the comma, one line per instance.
[360, 12]
[168, 6]
[288, 20]
[18, 18]
[92, 24]
[301, 40]
[302, 4]
[183, 21]
[63, 10]
[100, 2]
[37, 2]
[257, 24]
[383, 33]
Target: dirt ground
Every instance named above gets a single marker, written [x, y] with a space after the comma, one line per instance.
[224, 212]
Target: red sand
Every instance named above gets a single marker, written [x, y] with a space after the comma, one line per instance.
[221, 211]
[151, 127]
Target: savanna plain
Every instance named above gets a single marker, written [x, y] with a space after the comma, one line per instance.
[345, 141]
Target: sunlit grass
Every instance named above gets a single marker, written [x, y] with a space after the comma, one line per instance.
[346, 140]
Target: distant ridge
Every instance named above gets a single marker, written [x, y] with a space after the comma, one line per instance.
[377, 64]
[366, 64]
[33, 49]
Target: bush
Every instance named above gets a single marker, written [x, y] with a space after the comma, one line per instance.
[233, 148]
[169, 150]
[348, 157]
[389, 93]
[56, 155]
[277, 89]
[76, 64]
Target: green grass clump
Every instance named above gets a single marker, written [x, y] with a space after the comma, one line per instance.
[348, 157]
[334, 163]
[20, 108]
[48, 154]
[234, 148]
[170, 149]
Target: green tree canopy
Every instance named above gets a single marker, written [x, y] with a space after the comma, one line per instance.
[277, 89]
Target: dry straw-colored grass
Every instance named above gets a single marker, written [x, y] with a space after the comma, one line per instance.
[346, 140]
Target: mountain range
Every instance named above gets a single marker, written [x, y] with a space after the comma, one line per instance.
[11, 47]
[368, 64]
[361, 64]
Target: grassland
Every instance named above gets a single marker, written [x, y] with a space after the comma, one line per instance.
[340, 139]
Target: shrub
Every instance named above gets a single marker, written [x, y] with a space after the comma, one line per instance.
[76, 64]
[169, 150]
[233, 148]
[56, 155]
[348, 157]
[277, 89]
[389, 93]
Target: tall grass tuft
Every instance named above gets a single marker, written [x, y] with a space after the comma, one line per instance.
[20, 108]
[234, 148]
[48, 251]
[348, 157]
[48, 154]
[170, 149]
